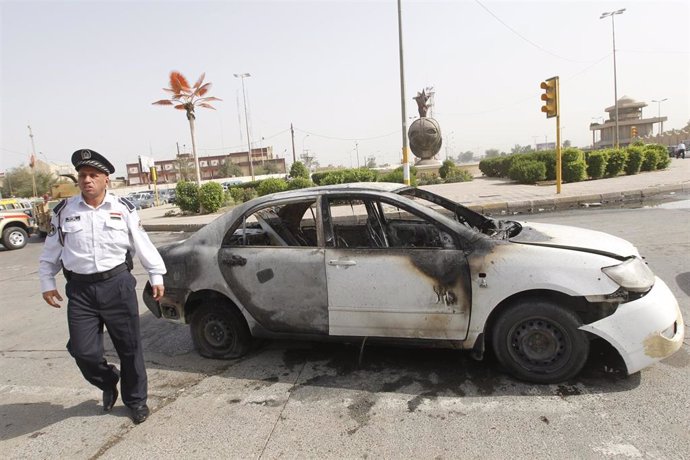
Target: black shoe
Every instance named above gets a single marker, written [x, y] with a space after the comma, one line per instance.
[109, 397]
[139, 413]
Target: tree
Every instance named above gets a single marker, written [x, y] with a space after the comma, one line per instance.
[566, 143]
[229, 169]
[185, 166]
[187, 98]
[465, 157]
[19, 182]
[491, 153]
[299, 170]
[521, 149]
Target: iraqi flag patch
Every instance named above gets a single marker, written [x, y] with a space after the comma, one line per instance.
[115, 215]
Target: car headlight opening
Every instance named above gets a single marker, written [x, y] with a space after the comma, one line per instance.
[633, 275]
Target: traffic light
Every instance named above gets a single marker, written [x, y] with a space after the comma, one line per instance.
[550, 97]
[633, 131]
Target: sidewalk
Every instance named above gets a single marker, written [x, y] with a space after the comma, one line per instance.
[500, 196]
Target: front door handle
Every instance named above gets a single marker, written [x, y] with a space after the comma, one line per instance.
[234, 260]
[346, 263]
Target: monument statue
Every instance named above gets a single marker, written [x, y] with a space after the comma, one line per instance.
[425, 134]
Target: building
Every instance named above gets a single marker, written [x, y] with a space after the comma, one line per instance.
[631, 125]
[182, 167]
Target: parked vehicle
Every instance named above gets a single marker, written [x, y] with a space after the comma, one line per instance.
[43, 210]
[15, 228]
[387, 261]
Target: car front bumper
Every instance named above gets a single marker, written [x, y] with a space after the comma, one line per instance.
[645, 330]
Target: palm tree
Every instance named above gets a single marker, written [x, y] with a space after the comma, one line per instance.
[185, 97]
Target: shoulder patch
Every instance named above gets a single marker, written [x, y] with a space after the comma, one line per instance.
[130, 206]
[58, 207]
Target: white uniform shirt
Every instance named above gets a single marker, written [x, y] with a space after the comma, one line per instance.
[96, 240]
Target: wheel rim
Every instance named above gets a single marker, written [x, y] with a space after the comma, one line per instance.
[16, 238]
[539, 344]
[217, 332]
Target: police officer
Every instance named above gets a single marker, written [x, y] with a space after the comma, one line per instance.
[92, 238]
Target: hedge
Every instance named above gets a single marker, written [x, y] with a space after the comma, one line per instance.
[211, 196]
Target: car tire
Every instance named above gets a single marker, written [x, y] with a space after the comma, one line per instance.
[539, 341]
[14, 238]
[220, 332]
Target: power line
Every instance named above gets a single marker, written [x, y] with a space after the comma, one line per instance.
[539, 47]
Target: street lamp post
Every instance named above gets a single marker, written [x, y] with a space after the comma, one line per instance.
[615, 81]
[246, 120]
[661, 123]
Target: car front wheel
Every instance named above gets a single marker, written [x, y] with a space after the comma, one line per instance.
[14, 238]
[220, 332]
[539, 341]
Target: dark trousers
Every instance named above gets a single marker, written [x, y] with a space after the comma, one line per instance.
[113, 303]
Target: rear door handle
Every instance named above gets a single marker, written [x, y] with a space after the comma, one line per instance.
[346, 263]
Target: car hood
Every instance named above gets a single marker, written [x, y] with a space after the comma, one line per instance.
[575, 238]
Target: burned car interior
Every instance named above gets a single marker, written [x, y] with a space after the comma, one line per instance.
[348, 223]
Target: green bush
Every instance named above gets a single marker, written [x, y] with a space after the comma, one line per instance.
[633, 161]
[333, 177]
[187, 196]
[527, 171]
[548, 157]
[616, 162]
[649, 160]
[396, 176]
[211, 196]
[663, 159]
[237, 194]
[300, 182]
[299, 170]
[458, 175]
[359, 175]
[496, 166]
[271, 185]
[575, 171]
[429, 179]
[596, 164]
[447, 168]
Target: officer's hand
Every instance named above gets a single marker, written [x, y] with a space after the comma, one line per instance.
[158, 291]
[52, 298]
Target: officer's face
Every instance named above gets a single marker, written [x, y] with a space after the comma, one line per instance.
[92, 182]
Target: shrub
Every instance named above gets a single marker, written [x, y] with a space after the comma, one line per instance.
[616, 162]
[237, 194]
[663, 159]
[649, 160]
[317, 176]
[527, 171]
[211, 196]
[458, 175]
[249, 194]
[574, 166]
[359, 175]
[300, 182]
[496, 166]
[633, 160]
[596, 164]
[271, 185]
[447, 168]
[187, 196]
[299, 170]
[548, 157]
[429, 179]
[575, 171]
[333, 177]
[397, 176]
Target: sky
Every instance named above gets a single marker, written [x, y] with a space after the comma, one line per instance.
[84, 74]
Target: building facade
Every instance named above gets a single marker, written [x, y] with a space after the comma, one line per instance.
[182, 166]
[631, 125]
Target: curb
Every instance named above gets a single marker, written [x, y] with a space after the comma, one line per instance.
[511, 207]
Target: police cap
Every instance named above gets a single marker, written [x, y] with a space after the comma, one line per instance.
[87, 157]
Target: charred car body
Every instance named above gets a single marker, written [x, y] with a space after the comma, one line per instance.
[390, 261]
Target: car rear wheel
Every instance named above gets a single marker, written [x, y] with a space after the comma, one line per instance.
[220, 332]
[539, 341]
[14, 238]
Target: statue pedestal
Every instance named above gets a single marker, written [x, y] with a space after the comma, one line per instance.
[427, 167]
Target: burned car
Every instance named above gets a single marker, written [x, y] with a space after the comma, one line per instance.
[379, 260]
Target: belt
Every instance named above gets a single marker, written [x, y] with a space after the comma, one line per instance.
[71, 276]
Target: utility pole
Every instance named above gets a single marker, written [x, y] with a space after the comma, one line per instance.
[33, 160]
[246, 120]
[405, 160]
[292, 133]
[357, 150]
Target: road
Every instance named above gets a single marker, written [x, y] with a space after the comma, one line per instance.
[307, 400]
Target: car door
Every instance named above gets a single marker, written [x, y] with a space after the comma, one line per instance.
[275, 267]
[393, 272]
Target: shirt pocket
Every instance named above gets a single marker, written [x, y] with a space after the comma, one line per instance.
[116, 226]
[72, 227]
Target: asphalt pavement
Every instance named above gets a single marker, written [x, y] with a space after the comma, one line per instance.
[494, 196]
